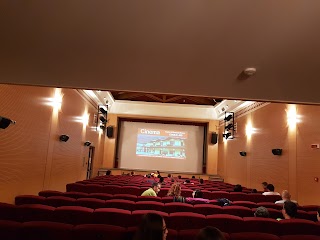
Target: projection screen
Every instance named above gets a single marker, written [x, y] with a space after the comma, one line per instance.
[159, 146]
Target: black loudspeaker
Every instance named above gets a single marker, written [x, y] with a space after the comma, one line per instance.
[87, 143]
[64, 138]
[277, 151]
[110, 131]
[214, 138]
[243, 154]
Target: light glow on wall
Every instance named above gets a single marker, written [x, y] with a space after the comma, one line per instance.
[249, 129]
[292, 117]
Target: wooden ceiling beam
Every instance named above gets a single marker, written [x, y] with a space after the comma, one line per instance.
[202, 101]
[172, 99]
[129, 95]
[153, 97]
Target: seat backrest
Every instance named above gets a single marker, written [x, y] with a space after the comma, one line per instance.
[247, 204]
[121, 204]
[73, 215]
[186, 220]
[253, 236]
[259, 224]
[10, 230]
[98, 232]
[35, 212]
[237, 211]
[225, 222]
[102, 196]
[29, 199]
[91, 203]
[125, 197]
[298, 226]
[112, 216]
[58, 201]
[152, 205]
[207, 209]
[178, 207]
[50, 193]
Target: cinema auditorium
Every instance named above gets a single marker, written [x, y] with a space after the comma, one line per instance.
[178, 120]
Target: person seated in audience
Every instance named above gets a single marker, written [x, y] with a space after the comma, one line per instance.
[157, 174]
[152, 227]
[200, 181]
[175, 192]
[179, 176]
[187, 181]
[161, 181]
[270, 190]
[264, 186]
[193, 177]
[108, 173]
[289, 210]
[254, 191]
[197, 196]
[318, 214]
[286, 196]
[262, 212]
[237, 188]
[153, 191]
[210, 233]
[132, 173]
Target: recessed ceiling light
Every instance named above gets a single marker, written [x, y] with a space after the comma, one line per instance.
[250, 71]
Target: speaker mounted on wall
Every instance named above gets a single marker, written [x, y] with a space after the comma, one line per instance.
[277, 151]
[243, 153]
[64, 138]
[214, 138]
[110, 131]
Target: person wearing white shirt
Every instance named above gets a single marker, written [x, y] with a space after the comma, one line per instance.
[286, 196]
[271, 191]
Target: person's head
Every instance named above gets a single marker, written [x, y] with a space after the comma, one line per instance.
[289, 210]
[261, 212]
[197, 194]
[152, 227]
[237, 188]
[210, 233]
[175, 190]
[264, 185]
[158, 172]
[187, 181]
[285, 195]
[318, 214]
[201, 181]
[270, 187]
[169, 175]
[161, 180]
[156, 187]
[193, 177]
[179, 176]
[254, 191]
[132, 173]
[108, 172]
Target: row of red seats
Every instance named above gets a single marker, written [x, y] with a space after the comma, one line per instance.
[113, 189]
[39, 230]
[178, 220]
[172, 207]
[106, 196]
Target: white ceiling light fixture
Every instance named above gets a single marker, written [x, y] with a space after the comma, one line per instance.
[250, 71]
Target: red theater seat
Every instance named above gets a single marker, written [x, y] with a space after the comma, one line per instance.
[237, 211]
[272, 198]
[121, 204]
[147, 198]
[298, 227]
[75, 187]
[256, 197]
[137, 215]
[58, 201]
[163, 192]
[186, 220]
[91, 203]
[220, 194]
[167, 199]
[269, 205]
[131, 190]
[75, 194]
[73, 215]
[172, 234]
[35, 212]
[10, 230]
[300, 237]
[125, 197]
[253, 236]
[9, 212]
[112, 216]
[49, 193]
[247, 204]
[29, 199]
[102, 196]
[191, 234]
[226, 223]
[41, 230]
[98, 232]
[145, 205]
[207, 209]
[238, 196]
[309, 208]
[264, 225]
[93, 188]
[178, 207]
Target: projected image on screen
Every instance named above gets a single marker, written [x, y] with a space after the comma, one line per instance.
[161, 143]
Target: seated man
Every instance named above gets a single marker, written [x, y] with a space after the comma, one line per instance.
[237, 188]
[289, 210]
[153, 191]
[270, 190]
[261, 212]
[285, 197]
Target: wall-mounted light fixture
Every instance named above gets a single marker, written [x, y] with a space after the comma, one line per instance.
[102, 118]
[243, 153]
[64, 138]
[87, 143]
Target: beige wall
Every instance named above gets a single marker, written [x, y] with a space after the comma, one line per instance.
[110, 144]
[293, 170]
[31, 156]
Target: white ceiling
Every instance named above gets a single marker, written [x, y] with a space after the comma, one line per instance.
[171, 46]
